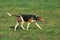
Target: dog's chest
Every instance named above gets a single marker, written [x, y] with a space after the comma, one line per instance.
[27, 17]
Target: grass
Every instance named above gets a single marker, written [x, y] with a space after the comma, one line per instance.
[49, 9]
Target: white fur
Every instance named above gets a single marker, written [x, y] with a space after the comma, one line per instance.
[38, 26]
[21, 18]
[28, 25]
[22, 25]
[16, 26]
[22, 22]
[9, 14]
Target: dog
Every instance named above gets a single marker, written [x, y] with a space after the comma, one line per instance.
[27, 18]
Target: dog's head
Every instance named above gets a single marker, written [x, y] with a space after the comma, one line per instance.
[40, 19]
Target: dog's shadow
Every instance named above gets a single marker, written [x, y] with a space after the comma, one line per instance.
[18, 28]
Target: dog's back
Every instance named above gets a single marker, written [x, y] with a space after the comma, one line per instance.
[27, 17]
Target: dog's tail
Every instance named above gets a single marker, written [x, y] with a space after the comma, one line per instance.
[11, 14]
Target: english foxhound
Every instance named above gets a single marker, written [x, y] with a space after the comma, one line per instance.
[27, 18]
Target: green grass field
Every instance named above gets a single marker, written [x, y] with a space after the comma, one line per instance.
[48, 9]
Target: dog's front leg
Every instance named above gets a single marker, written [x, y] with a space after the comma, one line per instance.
[28, 26]
[38, 26]
[16, 26]
[22, 25]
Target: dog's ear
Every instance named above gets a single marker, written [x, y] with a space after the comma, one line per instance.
[39, 17]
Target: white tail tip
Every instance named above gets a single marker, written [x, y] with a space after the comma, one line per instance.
[9, 14]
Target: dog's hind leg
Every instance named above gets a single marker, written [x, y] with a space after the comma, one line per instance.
[16, 26]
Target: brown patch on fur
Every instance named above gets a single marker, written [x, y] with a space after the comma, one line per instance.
[30, 20]
[39, 17]
[19, 19]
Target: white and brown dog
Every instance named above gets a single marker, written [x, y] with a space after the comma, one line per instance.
[27, 18]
